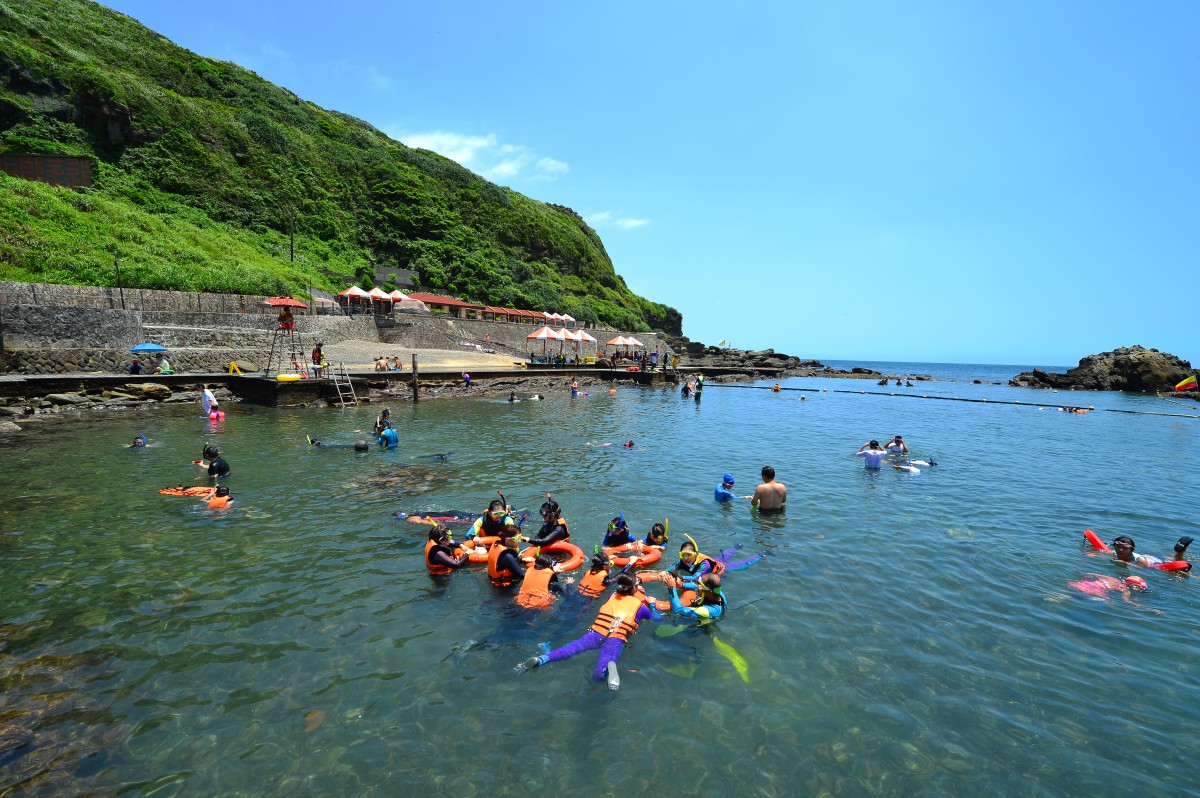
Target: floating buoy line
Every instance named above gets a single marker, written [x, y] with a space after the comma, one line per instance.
[779, 389]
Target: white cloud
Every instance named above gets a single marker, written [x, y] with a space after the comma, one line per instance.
[630, 224]
[601, 219]
[486, 155]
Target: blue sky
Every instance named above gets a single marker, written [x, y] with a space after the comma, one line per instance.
[1005, 182]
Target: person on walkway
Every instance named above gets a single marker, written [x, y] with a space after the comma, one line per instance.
[396, 364]
[769, 497]
[135, 367]
[872, 454]
[381, 363]
[163, 366]
[615, 623]
[318, 354]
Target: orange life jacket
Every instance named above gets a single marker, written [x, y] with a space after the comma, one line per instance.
[493, 562]
[535, 588]
[717, 566]
[617, 618]
[219, 502]
[438, 568]
[592, 583]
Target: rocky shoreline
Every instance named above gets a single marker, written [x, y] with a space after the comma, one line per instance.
[1132, 368]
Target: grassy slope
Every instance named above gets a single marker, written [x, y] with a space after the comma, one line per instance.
[198, 165]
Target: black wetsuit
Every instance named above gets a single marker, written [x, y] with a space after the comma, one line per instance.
[218, 467]
[614, 539]
[509, 561]
[444, 556]
[551, 532]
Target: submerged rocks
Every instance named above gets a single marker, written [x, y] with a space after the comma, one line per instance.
[1132, 368]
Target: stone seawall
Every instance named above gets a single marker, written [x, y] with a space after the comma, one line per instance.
[440, 332]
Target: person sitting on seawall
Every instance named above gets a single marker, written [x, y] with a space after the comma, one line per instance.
[389, 438]
[593, 583]
[219, 499]
[217, 467]
[494, 521]
[163, 366]
[1123, 549]
[135, 367]
[440, 555]
[709, 603]
[897, 445]
[540, 584]
[504, 564]
[554, 527]
[138, 443]
[770, 496]
[396, 364]
[657, 536]
[873, 454]
[618, 533]
[615, 623]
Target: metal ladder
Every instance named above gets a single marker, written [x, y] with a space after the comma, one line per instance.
[343, 384]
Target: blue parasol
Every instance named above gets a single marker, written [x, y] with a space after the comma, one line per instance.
[147, 348]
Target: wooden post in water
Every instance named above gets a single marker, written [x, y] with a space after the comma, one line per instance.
[415, 382]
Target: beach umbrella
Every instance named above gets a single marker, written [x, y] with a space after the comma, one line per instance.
[619, 341]
[147, 348]
[284, 302]
[544, 334]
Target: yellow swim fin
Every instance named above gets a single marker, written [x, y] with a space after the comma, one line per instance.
[739, 662]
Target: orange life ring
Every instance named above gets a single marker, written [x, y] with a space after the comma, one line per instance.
[477, 547]
[645, 556]
[574, 554]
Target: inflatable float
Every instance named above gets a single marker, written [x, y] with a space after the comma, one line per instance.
[1100, 545]
[191, 490]
[287, 377]
[620, 555]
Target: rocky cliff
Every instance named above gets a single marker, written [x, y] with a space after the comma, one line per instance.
[1132, 368]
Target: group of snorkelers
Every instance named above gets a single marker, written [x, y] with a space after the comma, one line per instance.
[694, 583]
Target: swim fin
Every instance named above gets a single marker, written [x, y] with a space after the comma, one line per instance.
[667, 630]
[739, 662]
[614, 678]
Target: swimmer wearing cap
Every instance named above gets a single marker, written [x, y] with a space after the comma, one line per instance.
[724, 491]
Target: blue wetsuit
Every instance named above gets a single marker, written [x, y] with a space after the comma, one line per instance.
[723, 494]
[702, 612]
[389, 438]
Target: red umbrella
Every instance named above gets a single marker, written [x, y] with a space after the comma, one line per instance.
[284, 302]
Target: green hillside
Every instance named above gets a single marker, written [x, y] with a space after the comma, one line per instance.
[199, 167]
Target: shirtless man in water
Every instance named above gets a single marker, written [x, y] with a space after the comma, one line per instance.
[770, 495]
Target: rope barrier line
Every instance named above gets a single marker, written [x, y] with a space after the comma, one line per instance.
[951, 399]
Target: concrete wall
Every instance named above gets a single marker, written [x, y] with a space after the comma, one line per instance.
[90, 296]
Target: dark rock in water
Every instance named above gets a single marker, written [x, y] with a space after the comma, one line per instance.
[1131, 368]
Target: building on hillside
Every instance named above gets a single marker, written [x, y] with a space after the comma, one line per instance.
[446, 304]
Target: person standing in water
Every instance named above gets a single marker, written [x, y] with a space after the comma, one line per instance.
[769, 497]
[872, 453]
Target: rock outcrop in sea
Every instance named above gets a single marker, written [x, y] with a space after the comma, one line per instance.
[1132, 368]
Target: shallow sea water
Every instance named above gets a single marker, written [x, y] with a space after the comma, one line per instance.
[912, 635]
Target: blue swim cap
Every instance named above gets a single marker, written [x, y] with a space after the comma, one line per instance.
[727, 479]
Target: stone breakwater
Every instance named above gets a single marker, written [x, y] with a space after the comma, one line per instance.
[745, 362]
[15, 410]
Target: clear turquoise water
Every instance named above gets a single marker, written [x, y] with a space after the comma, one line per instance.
[914, 635]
